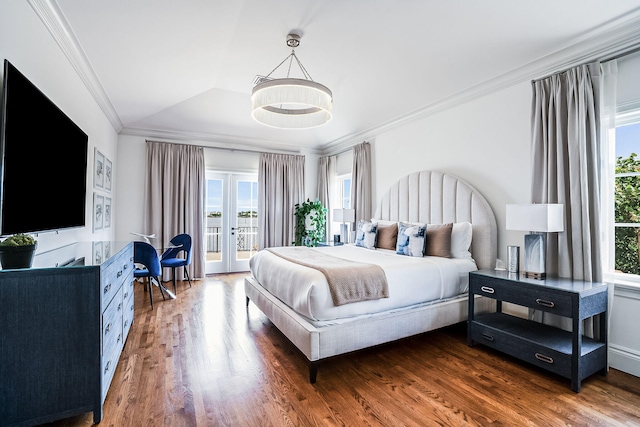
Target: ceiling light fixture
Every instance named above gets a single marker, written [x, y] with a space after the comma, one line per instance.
[291, 103]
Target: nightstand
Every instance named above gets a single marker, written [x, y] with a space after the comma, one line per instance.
[569, 354]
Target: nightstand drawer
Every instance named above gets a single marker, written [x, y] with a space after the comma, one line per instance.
[539, 298]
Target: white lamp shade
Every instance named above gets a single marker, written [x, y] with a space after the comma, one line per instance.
[344, 215]
[535, 217]
[291, 103]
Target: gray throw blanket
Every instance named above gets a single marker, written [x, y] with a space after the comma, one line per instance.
[349, 281]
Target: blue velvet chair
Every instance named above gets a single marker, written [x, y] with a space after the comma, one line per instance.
[148, 267]
[178, 255]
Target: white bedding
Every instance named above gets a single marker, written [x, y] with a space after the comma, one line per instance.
[411, 280]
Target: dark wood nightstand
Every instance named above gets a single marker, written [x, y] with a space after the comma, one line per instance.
[569, 354]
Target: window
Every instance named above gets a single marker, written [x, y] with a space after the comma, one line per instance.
[344, 191]
[627, 200]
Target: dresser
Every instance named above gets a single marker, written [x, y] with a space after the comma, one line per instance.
[569, 354]
[63, 324]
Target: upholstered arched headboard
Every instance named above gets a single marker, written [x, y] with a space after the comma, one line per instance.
[438, 198]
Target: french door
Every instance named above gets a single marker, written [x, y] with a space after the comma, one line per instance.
[231, 221]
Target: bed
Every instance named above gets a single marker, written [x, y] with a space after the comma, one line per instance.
[418, 293]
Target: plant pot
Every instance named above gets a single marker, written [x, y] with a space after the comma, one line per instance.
[17, 256]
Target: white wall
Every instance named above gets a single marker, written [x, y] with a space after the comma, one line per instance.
[27, 44]
[485, 142]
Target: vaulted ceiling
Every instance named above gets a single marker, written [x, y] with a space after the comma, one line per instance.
[185, 69]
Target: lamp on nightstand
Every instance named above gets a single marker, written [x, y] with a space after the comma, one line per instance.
[344, 216]
[538, 219]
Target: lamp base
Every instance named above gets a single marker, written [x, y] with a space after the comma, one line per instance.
[531, 275]
[534, 256]
[344, 233]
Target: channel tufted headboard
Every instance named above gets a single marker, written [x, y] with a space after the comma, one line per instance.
[438, 198]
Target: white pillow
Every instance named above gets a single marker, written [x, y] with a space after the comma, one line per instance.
[461, 240]
[366, 234]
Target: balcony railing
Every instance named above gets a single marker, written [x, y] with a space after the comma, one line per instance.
[246, 239]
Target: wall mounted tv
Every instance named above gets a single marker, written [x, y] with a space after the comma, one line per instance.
[43, 161]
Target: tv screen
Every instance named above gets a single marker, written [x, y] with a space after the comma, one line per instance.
[43, 161]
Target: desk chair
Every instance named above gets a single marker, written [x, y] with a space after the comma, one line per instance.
[146, 255]
[169, 259]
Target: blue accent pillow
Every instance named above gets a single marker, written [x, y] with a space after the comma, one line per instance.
[411, 239]
[366, 233]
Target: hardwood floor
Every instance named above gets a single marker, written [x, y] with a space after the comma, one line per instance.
[205, 359]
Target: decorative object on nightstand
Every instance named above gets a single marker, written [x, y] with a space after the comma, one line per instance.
[344, 216]
[513, 259]
[538, 219]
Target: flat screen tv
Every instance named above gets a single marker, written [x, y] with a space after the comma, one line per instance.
[43, 161]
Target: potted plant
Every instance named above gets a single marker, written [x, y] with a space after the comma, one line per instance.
[17, 251]
[310, 223]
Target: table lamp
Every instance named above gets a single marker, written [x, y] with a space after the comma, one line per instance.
[344, 216]
[538, 219]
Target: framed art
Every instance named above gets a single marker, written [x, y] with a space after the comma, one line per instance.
[108, 174]
[98, 169]
[107, 212]
[97, 253]
[98, 212]
[106, 250]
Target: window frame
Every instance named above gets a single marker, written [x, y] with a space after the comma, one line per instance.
[625, 117]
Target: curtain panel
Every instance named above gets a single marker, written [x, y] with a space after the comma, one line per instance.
[568, 169]
[326, 186]
[361, 183]
[174, 199]
[280, 187]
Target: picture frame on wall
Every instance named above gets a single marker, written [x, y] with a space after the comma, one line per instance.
[98, 169]
[107, 212]
[98, 212]
[108, 173]
[97, 253]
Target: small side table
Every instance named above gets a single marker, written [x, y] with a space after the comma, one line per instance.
[569, 354]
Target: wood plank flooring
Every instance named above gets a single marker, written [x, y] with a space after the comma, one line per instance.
[205, 359]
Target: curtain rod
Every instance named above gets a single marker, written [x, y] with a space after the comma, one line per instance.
[609, 58]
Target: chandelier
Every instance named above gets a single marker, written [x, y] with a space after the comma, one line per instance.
[290, 103]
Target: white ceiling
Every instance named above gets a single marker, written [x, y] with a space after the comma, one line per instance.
[185, 68]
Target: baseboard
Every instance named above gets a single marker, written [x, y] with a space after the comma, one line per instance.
[624, 359]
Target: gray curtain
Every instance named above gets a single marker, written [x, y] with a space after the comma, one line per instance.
[280, 187]
[174, 199]
[326, 184]
[567, 170]
[361, 182]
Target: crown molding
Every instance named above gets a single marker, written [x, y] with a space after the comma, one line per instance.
[227, 142]
[603, 43]
[50, 14]
[612, 39]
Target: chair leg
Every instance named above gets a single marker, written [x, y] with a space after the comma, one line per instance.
[148, 279]
[160, 287]
[186, 273]
[175, 287]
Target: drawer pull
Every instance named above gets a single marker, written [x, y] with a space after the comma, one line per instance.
[119, 273]
[107, 288]
[126, 323]
[119, 338]
[107, 366]
[119, 306]
[487, 289]
[125, 266]
[487, 337]
[544, 358]
[107, 329]
[126, 295]
[545, 302]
